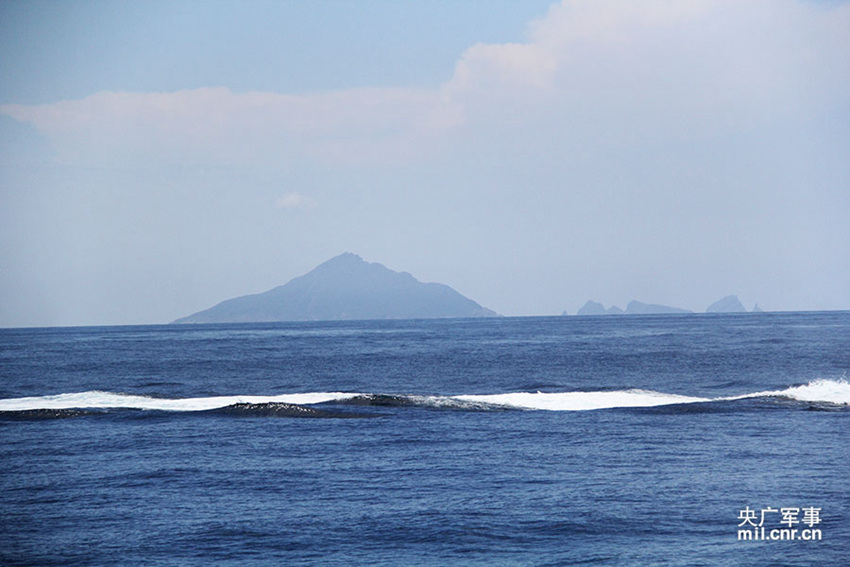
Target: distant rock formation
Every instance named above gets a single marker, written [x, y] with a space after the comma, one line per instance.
[345, 288]
[729, 304]
[633, 308]
[592, 308]
[638, 308]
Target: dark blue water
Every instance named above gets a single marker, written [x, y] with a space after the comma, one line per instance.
[385, 465]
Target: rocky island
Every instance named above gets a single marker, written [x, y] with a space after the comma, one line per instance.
[345, 288]
[728, 304]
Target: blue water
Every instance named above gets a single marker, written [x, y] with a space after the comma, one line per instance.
[416, 442]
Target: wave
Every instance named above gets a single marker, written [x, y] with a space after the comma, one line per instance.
[438, 402]
[818, 391]
[831, 392]
[277, 409]
[44, 414]
[581, 401]
[109, 400]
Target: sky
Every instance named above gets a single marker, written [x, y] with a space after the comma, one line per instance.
[159, 157]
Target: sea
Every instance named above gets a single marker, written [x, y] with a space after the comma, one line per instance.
[679, 440]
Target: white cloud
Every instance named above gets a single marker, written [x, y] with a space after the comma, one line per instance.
[660, 68]
[515, 65]
[607, 70]
[294, 200]
[218, 126]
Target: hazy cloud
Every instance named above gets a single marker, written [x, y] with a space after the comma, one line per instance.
[294, 200]
[217, 126]
[602, 69]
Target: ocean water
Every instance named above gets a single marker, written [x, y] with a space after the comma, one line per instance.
[645, 440]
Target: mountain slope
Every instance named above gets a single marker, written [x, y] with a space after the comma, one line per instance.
[345, 288]
[638, 308]
[729, 304]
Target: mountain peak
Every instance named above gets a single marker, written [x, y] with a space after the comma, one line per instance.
[346, 287]
[345, 261]
[345, 258]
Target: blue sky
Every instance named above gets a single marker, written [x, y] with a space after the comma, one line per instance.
[159, 157]
[66, 50]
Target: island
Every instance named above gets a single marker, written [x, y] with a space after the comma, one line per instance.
[728, 304]
[633, 308]
[345, 288]
[637, 308]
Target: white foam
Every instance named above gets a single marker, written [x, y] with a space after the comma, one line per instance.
[109, 400]
[818, 391]
[579, 401]
[823, 391]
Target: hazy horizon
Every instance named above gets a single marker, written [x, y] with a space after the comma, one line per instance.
[160, 157]
[749, 309]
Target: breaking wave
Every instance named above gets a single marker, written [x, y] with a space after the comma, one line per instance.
[109, 400]
[579, 401]
[817, 391]
[831, 392]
